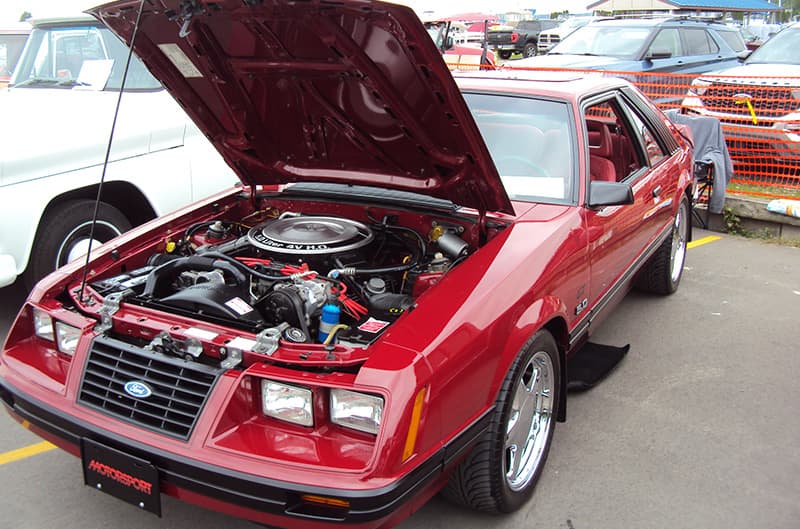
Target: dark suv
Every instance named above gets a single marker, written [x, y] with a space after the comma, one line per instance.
[522, 39]
[677, 44]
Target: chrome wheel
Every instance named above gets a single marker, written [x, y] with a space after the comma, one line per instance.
[679, 235]
[529, 421]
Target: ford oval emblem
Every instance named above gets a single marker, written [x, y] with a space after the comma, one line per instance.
[138, 389]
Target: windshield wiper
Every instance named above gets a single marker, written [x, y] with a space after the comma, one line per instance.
[46, 81]
[33, 81]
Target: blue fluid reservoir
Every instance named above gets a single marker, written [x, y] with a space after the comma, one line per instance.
[328, 320]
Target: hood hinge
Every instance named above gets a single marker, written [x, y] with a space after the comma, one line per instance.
[110, 307]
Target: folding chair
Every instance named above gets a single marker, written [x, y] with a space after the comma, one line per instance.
[704, 183]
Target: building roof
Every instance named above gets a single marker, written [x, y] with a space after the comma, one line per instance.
[751, 6]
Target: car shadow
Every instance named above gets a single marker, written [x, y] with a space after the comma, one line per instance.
[11, 299]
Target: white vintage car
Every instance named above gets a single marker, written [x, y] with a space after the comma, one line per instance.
[57, 116]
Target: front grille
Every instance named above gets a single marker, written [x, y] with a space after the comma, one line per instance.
[549, 40]
[769, 102]
[179, 388]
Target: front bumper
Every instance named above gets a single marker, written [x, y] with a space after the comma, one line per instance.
[259, 498]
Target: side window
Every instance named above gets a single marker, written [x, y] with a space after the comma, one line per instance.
[733, 39]
[667, 40]
[652, 148]
[613, 153]
[697, 41]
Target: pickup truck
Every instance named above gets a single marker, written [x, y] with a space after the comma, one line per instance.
[524, 38]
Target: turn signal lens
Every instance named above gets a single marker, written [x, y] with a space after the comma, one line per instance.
[67, 337]
[43, 325]
[287, 403]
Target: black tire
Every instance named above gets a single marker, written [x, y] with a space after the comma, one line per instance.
[530, 49]
[64, 228]
[504, 54]
[662, 273]
[487, 479]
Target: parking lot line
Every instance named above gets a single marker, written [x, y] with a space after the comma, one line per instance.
[25, 451]
[701, 242]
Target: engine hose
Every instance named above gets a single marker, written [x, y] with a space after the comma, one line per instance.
[243, 267]
[336, 328]
[351, 271]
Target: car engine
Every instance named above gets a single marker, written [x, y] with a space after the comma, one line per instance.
[313, 278]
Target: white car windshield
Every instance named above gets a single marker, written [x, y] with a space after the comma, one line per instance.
[87, 56]
[612, 41]
[780, 49]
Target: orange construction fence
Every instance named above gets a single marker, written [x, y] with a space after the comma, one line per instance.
[760, 119]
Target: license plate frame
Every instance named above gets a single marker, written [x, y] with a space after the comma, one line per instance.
[126, 477]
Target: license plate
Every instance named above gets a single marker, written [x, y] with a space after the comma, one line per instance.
[121, 475]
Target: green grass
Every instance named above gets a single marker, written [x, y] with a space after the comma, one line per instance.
[764, 191]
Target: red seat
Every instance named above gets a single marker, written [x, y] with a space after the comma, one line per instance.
[601, 151]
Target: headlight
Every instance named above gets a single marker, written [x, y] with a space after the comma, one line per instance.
[356, 410]
[67, 337]
[287, 403]
[699, 86]
[42, 325]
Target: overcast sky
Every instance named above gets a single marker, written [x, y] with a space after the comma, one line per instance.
[10, 10]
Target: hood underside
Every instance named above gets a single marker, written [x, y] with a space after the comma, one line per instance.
[347, 91]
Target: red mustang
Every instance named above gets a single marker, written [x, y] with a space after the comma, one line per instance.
[386, 307]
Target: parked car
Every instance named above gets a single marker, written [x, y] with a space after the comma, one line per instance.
[12, 40]
[759, 100]
[522, 38]
[61, 101]
[387, 307]
[447, 34]
[675, 44]
[549, 38]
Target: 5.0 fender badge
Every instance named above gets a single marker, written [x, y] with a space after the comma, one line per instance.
[138, 389]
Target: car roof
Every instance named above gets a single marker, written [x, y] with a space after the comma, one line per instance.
[656, 22]
[66, 20]
[566, 85]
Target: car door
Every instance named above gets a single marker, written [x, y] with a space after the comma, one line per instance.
[620, 235]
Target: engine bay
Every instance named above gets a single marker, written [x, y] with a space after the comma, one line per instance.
[313, 278]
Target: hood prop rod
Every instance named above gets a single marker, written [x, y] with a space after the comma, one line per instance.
[108, 152]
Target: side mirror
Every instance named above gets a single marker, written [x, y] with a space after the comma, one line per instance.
[609, 194]
[658, 53]
[449, 43]
[744, 54]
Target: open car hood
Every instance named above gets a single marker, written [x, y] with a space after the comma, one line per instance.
[349, 91]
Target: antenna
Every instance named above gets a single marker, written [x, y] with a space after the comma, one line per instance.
[108, 151]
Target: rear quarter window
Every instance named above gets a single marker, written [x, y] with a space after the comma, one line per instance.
[697, 41]
[733, 39]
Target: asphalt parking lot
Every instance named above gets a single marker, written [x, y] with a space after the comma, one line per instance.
[697, 428]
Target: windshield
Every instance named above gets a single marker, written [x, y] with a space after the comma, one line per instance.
[780, 49]
[79, 56]
[531, 145]
[10, 50]
[612, 41]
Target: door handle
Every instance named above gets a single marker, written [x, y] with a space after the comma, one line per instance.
[657, 192]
